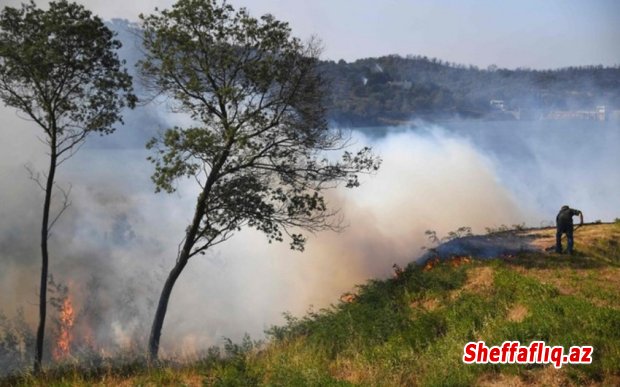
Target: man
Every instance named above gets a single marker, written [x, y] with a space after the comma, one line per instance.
[564, 224]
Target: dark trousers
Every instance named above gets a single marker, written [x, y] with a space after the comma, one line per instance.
[568, 230]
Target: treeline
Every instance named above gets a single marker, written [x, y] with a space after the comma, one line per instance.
[390, 89]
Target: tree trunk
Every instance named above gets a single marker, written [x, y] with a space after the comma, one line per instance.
[45, 257]
[162, 307]
[183, 258]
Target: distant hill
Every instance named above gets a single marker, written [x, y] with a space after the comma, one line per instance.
[411, 329]
[392, 89]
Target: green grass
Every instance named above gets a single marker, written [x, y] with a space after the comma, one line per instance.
[411, 330]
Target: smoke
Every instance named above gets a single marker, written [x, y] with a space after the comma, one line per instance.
[431, 178]
[427, 180]
[546, 164]
[118, 240]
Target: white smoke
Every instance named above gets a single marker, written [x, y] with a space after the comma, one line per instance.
[118, 241]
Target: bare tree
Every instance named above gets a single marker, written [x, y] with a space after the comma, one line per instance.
[258, 148]
[59, 67]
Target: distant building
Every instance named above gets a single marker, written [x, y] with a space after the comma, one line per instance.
[498, 104]
[598, 114]
[402, 84]
[601, 113]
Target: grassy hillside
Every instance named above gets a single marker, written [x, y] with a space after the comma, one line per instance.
[411, 329]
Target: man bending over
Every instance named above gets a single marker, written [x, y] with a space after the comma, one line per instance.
[564, 224]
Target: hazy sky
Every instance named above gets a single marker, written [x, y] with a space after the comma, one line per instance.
[510, 33]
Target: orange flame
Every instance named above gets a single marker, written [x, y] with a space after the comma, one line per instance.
[67, 317]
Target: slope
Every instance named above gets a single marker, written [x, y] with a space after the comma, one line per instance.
[411, 329]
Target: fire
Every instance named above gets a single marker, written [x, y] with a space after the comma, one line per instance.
[66, 320]
[453, 261]
[398, 271]
[459, 260]
[431, 263]
[348, 297]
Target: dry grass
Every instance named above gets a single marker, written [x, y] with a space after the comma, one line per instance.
[587, 234]
[350, 371]
[592, 273]
[479, 281]
[497, 380]
[547, 376]
[427, 304]
[517, 313]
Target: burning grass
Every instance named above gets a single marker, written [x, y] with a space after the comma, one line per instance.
[66, 320]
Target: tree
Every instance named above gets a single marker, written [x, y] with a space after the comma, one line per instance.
[60, 69]
[258, 146]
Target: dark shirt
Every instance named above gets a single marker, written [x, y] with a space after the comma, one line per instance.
[565, 217]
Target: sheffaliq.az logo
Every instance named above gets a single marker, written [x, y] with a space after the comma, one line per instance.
[511, 352]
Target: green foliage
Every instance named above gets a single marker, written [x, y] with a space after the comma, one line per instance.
[380, 311]
[59, 66]
[258, 147]
[392, 89]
